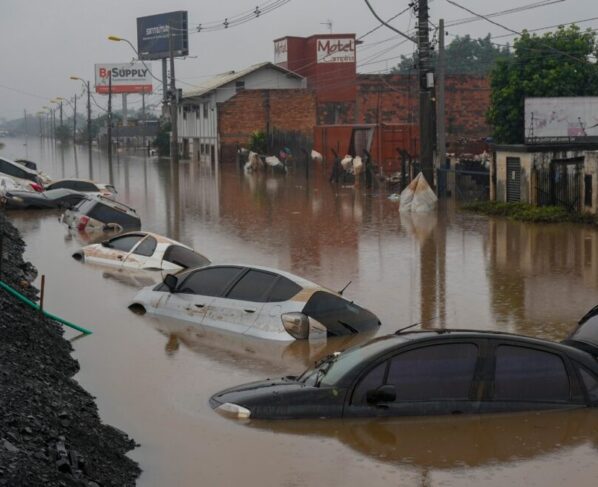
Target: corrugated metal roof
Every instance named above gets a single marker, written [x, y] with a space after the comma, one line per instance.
[225, 78]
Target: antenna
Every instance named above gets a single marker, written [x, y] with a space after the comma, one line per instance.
[329, 24]
[343, 289]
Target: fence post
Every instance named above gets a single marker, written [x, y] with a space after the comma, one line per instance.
[43, 291]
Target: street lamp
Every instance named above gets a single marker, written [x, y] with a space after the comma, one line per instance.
[174, 142]
[86, 85]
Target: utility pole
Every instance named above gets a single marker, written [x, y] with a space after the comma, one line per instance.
[143, 117]
[110, 120]
[164, 86]
[89, 128]
[74, 120]
[426, 85]
[125, 110]
[61, 114]
[440, 107]
[174, 141]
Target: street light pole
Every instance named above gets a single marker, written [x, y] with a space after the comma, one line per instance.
[110, 119]
[75, 121]
[174, 112]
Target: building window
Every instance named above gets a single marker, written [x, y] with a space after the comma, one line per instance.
[206, 108]
[239, 86]
[587, 183]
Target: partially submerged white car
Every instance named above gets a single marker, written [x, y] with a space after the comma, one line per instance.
[255, 301]
[142, 250]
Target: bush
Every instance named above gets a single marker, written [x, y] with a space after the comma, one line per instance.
[257, 142]
[529, 213]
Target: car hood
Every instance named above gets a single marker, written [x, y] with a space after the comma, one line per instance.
[256, 392]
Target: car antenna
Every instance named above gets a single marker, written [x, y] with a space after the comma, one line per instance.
[401, 330]
[343, 289]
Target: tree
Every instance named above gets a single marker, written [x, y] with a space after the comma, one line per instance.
[463, 55]
[554, 64]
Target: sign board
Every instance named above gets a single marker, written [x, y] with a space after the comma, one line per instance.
[281, 51]
[126, 78]
[335, 50]
[561, 118]
[154, 35]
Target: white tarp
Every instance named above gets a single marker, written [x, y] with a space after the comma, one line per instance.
[418, 196]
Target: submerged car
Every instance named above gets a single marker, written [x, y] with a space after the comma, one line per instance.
[84, 186]
[33, 166]
[142, 250]
[55, 198]
[432, 373]
[255, 301]
[20, 175]
[96, 214]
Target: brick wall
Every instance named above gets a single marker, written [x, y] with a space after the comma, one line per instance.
[290, 114]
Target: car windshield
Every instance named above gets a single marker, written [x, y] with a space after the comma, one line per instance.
[331, 370]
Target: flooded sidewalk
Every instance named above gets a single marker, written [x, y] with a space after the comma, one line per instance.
[449, 269]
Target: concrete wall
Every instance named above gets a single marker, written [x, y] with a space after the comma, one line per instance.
[591, 169]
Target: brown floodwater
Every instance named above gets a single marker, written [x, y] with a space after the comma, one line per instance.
[153, 378]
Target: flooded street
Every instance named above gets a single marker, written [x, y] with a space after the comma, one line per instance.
[153, 378]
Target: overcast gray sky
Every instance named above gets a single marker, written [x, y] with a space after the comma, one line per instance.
[43, 42]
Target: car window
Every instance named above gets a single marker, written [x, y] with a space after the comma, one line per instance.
[147, 247]
[338, 315]
[184, 257]
[12, 170]
[209, 282]
[124, 243]
[283, 290]
[591, 384]
[372, 380]
[61, 184]
[253, 286]
[84, 206]
[106, 214]
[527, 374]
[435, 372]
[84, 186]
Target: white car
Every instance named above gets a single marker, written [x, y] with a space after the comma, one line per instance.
[16, 176]
[84, 186]
[255, 301]
[142, 250]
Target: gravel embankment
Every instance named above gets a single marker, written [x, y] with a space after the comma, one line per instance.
[50, 431]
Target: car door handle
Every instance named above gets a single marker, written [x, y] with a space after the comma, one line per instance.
[249, 310]
[119, 257]
[199, 305]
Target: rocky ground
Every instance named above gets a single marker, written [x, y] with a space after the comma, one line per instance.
[50, 431]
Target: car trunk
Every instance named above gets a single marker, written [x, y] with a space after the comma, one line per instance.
[585, 336]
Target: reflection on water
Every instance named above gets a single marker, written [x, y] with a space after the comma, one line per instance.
[449, 442]
[153, 378]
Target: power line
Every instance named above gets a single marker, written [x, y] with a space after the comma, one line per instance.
[566, 54]
[381, 25]
[581, 21]
[383, 22]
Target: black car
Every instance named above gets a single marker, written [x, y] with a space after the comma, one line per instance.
[432, 373]
[55, 198]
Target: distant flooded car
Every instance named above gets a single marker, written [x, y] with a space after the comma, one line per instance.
[20, 175]
[56, 198]
[33, 166]
[84, 186]
[432, 373]
[255, 301]
[97, 214]
[142, 250]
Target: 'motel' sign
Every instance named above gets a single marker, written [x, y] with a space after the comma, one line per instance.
[335, 50]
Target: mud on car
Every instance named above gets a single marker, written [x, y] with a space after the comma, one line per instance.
[255, 301]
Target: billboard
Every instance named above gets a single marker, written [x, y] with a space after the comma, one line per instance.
[153, 35]
[126, 78]
[561, 118]
[335, 50]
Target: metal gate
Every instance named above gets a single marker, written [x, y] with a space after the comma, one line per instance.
[513, 179]
[468, 181]
[560, 183]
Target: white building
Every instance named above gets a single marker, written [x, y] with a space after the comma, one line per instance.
[198, 111]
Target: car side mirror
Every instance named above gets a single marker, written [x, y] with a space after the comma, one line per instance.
[385, 393]
[106, 243]
[171, 282]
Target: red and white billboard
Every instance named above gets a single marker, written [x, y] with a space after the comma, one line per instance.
[126, 78]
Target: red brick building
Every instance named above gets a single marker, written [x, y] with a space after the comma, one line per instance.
[342, 110]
